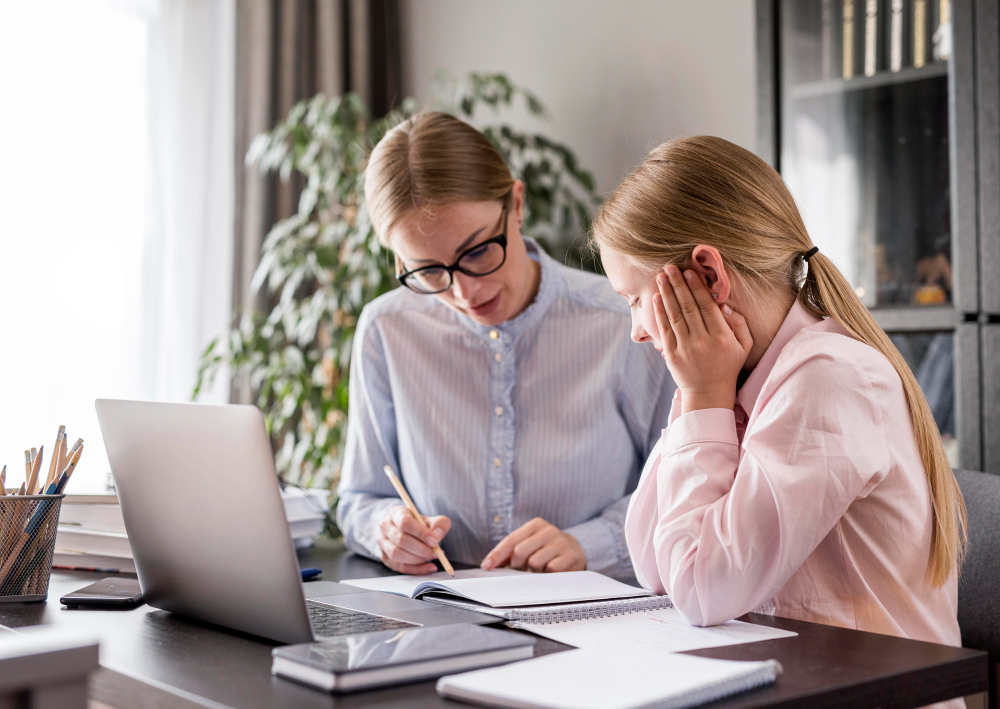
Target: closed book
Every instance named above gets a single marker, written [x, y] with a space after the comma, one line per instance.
[99, 516]
[92, 562]
[898, 22]
[873, 37]
[847, 39]
[92, 541]
[919, 32]
[396, 656]
[621, 677]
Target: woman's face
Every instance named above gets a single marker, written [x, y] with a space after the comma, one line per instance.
[637, 285]
[439, 238]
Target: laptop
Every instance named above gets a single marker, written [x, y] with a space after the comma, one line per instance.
[206, 523]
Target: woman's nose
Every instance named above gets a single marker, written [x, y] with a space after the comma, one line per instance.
[463, 286]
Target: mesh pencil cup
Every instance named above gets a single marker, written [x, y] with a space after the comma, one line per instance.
[27, 539]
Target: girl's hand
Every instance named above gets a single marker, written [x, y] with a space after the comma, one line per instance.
[704, 345]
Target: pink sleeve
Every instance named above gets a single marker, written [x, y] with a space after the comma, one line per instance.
[728, 531]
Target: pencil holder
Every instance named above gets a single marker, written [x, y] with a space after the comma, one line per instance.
[27, 538]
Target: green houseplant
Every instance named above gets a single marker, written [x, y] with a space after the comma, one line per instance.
[320, 266]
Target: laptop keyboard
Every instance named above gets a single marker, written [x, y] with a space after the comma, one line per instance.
[327, 621]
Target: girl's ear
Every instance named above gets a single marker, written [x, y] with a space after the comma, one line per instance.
[707, 263]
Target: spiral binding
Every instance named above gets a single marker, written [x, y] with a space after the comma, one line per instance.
[583, 611]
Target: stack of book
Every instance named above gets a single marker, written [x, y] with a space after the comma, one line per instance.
[92, 536]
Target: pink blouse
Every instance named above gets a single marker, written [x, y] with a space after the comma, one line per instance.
[811, 505]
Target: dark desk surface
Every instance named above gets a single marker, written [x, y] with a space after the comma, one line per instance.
[151, 658]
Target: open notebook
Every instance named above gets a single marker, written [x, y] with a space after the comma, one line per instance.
[621, 678]
[521, 596]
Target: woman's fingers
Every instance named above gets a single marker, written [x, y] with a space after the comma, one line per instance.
[689, 308]
[667, 339]
[675, 317]
[740, 329]
[710, 312]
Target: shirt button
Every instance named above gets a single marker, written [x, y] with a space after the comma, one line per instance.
[497, 462]
[498, 411]
[498, 357]
[497, 518]
[494, 334]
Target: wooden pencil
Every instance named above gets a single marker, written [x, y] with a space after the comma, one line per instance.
[63, 457]
[54, 463]
[401, 491]
[36, 467]
[3, 481]
[27, 464]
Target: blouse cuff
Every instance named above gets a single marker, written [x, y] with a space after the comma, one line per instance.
[701, 426]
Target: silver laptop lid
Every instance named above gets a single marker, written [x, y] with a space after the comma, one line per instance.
[204, 515]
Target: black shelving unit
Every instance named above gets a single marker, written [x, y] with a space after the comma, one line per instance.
[897, 174]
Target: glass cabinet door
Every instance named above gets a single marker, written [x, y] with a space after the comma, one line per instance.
[864, 149]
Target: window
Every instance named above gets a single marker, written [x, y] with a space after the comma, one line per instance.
[72, 211]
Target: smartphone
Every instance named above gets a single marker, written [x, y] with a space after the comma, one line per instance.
[107, 593]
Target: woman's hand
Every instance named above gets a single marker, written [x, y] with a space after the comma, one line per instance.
[537, 546]
[704, 345]
[408, 545]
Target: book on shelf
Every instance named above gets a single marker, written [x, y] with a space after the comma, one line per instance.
[873, 43]
[847, 39]
[919, 32]
[91, 532]
[897, 35]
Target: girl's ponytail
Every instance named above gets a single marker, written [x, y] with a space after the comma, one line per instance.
[826, 293]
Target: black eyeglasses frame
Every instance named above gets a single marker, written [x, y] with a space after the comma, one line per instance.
[500, 238]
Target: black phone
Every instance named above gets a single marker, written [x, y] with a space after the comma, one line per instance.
[107, 593]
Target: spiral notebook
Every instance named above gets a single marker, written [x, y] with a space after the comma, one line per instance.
[621, 678]
[524, 597]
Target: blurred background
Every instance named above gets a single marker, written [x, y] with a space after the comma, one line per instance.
[168, 228]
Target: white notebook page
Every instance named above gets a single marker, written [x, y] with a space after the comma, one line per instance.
[405, 585]
[653, 631]
[519, 589]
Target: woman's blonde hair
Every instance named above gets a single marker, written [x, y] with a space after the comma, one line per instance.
[706, 190]
[429, 160]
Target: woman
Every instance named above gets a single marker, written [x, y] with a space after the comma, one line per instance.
[802, 473]
[496, 382]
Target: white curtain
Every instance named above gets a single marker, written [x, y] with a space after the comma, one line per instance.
[188, 232]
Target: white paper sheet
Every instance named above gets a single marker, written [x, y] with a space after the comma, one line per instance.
[405, 585]
[507, 590]
[661, 631]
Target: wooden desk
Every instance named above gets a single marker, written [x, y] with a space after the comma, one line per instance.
[153, 659]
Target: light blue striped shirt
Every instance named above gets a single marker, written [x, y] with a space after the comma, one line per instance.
[550, 414]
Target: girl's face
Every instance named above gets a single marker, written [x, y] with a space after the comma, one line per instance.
[440, 238]
[637, 285]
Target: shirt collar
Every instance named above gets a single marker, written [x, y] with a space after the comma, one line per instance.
[797, 319]
[549, 286]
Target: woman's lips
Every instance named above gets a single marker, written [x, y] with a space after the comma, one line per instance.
[486, 308]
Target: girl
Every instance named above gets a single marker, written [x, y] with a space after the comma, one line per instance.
[496, 382]
[802, 474]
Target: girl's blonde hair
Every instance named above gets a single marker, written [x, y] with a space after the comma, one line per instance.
[429, 160]
[705, 190]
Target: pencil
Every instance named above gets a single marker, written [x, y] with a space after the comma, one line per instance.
[401, 491]
[27, 464]
[63, 456]
[54, 463]
[3, 481]
[36, 467]
[70, 466]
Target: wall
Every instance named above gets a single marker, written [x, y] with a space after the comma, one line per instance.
[618, 76]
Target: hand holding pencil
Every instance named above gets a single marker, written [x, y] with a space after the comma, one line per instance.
[406, 556]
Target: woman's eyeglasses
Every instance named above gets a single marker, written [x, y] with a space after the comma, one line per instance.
[479, 260]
